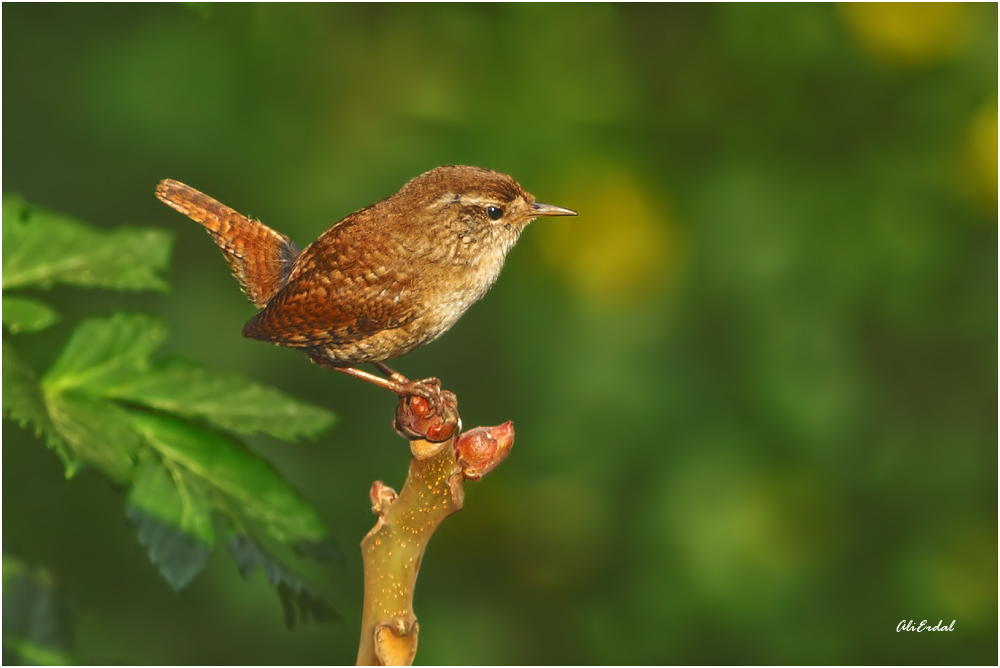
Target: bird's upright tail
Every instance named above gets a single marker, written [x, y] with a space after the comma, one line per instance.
[261, 258]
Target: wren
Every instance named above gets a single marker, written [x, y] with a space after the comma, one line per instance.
[385, 280]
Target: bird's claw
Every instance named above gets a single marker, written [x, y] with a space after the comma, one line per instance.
[425, 411]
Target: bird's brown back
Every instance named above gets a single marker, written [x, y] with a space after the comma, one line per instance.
[347, 284]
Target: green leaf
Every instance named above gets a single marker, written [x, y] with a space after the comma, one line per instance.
[96, 430]
[173, 517]
[42, 248]
[21, 314]
[169, 494]
[227, 400]
[322, 551]
[22, 396]
[37, 618]
[230, 468]
[104, 352]
[298, 600]
[178, 555]
[32, 654]
[24, 404]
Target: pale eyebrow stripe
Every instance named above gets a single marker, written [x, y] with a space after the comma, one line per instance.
[467, 199]
[445, 199]
[450, 198]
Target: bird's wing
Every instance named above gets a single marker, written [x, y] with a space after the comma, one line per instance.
[342, 289]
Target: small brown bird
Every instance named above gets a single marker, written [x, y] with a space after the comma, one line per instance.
[382, 282]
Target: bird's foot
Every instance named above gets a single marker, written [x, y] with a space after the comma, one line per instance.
[425, 411]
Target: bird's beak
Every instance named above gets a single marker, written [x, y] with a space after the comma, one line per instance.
[539, 209]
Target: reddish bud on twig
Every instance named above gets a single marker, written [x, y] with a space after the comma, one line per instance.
[479, 450]
[382, 496]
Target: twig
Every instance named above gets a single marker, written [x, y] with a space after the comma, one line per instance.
[442, 459]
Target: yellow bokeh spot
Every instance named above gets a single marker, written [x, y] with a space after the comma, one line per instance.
[907, 33]
[621, 245]
[981, 156]
[964, 577]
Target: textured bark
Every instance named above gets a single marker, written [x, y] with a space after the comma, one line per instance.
[434, 489]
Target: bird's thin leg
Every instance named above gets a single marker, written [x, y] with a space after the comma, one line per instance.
[392, 384]
[392, 373]
[429, 388]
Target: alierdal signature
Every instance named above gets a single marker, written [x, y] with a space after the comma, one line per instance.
[924, 626]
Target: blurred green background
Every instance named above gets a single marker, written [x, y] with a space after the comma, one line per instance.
[754, 382]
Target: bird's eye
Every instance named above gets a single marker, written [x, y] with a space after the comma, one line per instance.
[494, 212]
